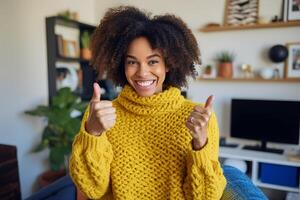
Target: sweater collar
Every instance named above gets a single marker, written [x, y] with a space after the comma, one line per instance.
[167, 101]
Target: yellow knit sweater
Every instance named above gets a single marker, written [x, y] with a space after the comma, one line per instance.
[148, 153]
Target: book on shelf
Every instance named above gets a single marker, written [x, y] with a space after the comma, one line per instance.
[60, 46]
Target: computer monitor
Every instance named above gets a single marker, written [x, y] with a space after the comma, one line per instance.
[266, 121]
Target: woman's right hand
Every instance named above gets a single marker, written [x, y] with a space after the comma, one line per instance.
[102, 115]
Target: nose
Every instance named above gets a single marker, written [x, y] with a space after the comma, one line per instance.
[143, 69]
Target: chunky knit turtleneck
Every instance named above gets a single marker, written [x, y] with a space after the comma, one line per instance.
[148, 153]
[168, 101]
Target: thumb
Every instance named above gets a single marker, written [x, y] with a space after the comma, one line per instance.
[96, 93]
[209, 103]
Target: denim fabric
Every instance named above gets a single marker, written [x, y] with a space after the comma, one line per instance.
[239, 186]
[62, 189]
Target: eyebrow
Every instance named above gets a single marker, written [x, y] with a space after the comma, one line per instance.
[151, 56]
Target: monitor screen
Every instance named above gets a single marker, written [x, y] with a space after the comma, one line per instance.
[265, 120]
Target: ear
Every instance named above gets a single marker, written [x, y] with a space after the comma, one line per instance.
[167, 69]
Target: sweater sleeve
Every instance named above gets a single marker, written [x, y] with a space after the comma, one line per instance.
[90, 162]
[205, 179]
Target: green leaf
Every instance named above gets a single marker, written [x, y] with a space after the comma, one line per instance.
[85, 39]
[72, 127]
[57, 157]
[81, 106]
[55, 166]
[64, 98]
[45, 140]
[55, 129]
[39, 111]
[47, 133]
[59, 116]
[39, 147]
[225, 56]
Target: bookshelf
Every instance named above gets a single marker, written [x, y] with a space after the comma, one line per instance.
[59, 62]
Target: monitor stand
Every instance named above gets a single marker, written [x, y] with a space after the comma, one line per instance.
[263, 147]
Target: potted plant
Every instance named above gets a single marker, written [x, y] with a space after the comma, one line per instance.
[225, 59]
[63, 122]
[208, 70]
[85, 45]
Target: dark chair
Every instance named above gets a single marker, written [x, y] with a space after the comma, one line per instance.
[9, 173]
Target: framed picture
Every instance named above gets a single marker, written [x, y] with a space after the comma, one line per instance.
[292, 66]
[293, 10]
[70, 49]
[241, 12]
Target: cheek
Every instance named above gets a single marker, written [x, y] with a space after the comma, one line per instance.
[128, 72]
[161, 72]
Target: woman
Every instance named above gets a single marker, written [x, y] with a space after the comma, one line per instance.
[149, 143]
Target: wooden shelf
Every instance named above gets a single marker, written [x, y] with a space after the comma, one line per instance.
[248, 80]
[69, 59]
[252, 26]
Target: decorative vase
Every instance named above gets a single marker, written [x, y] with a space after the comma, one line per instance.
[225, 70]
[267, 73]
[86, 54]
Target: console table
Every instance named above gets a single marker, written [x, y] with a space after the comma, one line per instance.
[254, 159]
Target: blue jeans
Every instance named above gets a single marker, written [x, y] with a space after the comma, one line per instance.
[239, 186]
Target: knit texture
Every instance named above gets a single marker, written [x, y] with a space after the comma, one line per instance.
[148, 153]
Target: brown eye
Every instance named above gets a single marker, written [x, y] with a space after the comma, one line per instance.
[153, 62]
[130, 62]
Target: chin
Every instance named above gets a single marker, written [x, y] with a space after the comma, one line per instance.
[145, 94]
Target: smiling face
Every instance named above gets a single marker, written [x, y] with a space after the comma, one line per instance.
[145, 68]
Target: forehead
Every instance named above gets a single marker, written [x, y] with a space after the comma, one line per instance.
[141, 47]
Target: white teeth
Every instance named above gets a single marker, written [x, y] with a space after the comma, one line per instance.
[144, 83]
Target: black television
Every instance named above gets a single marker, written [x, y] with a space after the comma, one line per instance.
[265, 120]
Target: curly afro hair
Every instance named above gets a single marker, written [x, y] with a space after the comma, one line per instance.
[168, 33]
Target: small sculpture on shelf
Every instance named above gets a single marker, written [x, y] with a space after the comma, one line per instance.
[266, 73]
[69, 15]
[225, 60]
[278, 54]
[247, 71]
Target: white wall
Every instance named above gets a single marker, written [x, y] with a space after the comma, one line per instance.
[23, 76]
[23, 64]
[250, 46]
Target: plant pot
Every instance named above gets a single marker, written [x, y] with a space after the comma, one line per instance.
[86, 54]
[225, 70]
[49, 177]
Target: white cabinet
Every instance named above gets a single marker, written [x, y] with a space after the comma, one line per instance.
[254, 159]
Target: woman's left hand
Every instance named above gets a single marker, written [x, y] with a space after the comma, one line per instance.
[197, 123]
